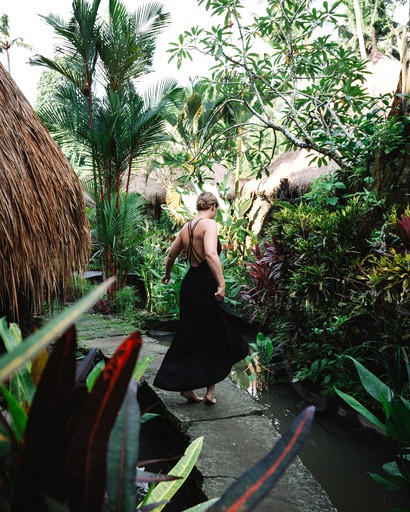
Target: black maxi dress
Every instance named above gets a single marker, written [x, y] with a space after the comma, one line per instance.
[208, 340]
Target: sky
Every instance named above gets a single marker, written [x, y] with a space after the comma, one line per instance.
[25, 22]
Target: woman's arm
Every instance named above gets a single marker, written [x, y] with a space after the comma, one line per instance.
[174, 251]
[212, 257]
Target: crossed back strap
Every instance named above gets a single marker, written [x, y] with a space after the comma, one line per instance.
[191, 252]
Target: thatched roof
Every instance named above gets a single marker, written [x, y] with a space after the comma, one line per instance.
[384, 74]
[149, 186]
[291, 174]
[155, 184]
[44, 230]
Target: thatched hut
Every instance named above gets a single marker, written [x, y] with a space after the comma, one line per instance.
[44, 231]
[290, 175]
[384, 73]
[157, 186]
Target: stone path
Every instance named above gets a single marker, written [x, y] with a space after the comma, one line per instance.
[236, 433]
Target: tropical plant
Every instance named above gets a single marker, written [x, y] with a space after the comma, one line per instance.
[78, 448]
[7, 43]
[284, 54]
[367, 22]
[396, 425]
[261, 356]
[115, 123]
[267, 276]
[78, 423]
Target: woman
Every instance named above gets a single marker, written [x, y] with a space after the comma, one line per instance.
[208, 340]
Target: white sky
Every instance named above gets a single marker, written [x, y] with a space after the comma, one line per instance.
[25, 22]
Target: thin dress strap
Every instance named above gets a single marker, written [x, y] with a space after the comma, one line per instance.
[191, 252]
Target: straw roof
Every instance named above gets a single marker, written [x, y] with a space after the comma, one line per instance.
[149, 186]
[290, 175]
[383, 74]
[44, 230]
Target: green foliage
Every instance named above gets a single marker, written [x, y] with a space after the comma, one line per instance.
[303, 276]
[281, 58]
[326, 190]
[261, 357]
[100, 58]
[79, 448]
[79, 288]
[124, 302]
[397, 426]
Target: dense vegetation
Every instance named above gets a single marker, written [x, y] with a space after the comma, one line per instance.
[328, 277]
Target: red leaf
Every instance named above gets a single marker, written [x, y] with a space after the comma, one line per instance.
[47, 435]
[86, 464]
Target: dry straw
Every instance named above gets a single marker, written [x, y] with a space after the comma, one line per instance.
[44, 229]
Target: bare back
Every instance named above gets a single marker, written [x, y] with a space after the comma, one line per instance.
[192, 236]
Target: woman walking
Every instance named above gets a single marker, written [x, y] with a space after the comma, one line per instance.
[208, 340]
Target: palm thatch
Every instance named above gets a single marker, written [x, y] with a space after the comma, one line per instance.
[290, 175]
[383, 75]
[44, 231]
[158, 186]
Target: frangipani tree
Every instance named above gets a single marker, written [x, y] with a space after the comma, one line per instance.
[286, 57]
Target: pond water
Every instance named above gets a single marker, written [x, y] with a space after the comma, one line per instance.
[339, 456]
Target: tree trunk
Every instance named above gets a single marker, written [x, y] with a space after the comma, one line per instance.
[359, 28]
[391, 174]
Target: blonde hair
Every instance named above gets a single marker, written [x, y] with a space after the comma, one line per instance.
[206, 200]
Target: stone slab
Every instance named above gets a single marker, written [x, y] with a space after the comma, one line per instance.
[236, 435]
[231, 402]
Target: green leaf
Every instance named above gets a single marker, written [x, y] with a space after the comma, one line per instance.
[94, 374]
[148, 416]
[165, 490]
[372, 384]
[202, 507]
[122, 455]
[357, 406]
[13, 361]
[386, 483]
[17, 413]
[21, 386]
[141, 367]
[398, 421]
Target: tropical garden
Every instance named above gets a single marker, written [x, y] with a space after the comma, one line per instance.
[322, 271]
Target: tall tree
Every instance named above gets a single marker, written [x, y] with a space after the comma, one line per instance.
[100, 106]
[286, 54]
[7, 42]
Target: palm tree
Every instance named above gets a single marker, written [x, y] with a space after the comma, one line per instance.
[100, 106]
[6, 42]
[368, 21]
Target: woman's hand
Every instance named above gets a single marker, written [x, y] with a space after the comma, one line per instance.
[220, 292]
[165, 279]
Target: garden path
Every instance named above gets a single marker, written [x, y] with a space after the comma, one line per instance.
[236, 433]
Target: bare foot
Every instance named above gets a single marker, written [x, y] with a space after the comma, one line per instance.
[210, 399]
[191, 396]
